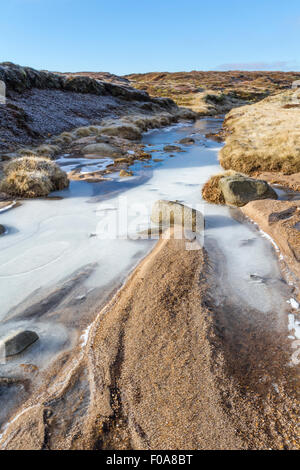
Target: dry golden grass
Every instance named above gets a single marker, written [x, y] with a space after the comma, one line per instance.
[64, 138]
[264, 136]
[32, 177]
[227, 89]
[29, 184]
[211, 191]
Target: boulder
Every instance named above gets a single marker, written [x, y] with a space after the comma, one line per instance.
[123, 130]
[2, 229]
[102, 149]
[185, 113]
[238, 190]
[187, 141]
[170, 213]
[172, 148]
[17, 342]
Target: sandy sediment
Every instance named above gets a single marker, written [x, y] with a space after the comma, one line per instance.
[144, 379]
[287, 181]
[155, 371]
[281, 221]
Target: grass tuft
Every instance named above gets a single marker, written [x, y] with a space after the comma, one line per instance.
[32, 176]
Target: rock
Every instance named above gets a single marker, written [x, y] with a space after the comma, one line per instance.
[125, 173]
[2, 229]
[17, 342]
[185, 113]
[86, 140]
[123, 130]
[217, 136]
[282, 215]
[7, 205]
[172, 148]
[187, 141]
[169, 213]
[104, 150]
[238, 190]
[82, 84]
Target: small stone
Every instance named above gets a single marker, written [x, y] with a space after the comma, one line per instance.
[187, 141]
[103, 150]
[17, 342]
[125, 174]
[172, 148]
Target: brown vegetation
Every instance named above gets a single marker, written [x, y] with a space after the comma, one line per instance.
[264, 136]
[32, 176]
[213, 92]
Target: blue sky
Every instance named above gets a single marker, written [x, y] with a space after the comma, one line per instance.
[126, 36]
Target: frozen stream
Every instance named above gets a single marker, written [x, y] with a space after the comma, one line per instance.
[58, 263]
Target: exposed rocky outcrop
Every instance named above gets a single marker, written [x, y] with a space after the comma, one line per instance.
[280, 220]
[19, 79]
[42, 103]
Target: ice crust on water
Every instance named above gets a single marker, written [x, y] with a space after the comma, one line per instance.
[51, 240]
